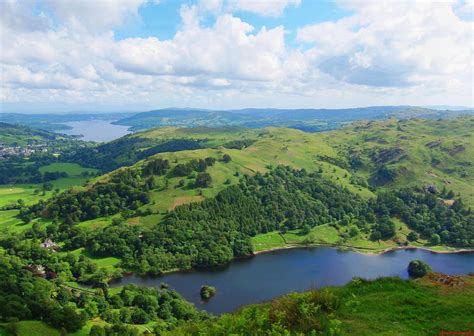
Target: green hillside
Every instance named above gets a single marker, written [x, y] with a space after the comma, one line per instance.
[365, 158]
[16, 135]
[392, 153]
[188, 198]
[387, 306]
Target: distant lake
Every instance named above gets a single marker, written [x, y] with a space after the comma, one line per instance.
[96, 130]
[269, 275]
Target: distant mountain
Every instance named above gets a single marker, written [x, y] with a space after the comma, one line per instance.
[305, 119]
[12, 135]
[450, 107]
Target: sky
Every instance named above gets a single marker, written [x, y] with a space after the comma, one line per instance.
[134, 55]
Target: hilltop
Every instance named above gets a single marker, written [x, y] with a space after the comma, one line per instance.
[313, 120]
[363, 156]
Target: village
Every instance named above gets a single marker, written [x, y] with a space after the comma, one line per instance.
[27, 150]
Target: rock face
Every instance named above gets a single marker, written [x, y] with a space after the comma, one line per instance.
[388, 155]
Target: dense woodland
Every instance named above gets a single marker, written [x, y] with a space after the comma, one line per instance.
[26, 295]
[123, 191]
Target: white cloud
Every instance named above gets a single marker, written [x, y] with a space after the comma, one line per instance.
[394, 44]
[94, 15]
[384, 53]
[229, 49]
[271, 8]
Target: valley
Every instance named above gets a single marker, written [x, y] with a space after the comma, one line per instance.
[236, 168]
[170, 199]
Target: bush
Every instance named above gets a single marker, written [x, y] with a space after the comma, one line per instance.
[418, 268]
[435, 239]
[412, 236]
[203, 180]
[226, 158]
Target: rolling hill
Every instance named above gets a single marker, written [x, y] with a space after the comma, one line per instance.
[306, 119]
[365, 158]
[17, 135]
[184, 198]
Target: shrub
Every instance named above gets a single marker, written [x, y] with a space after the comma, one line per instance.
[418, 268]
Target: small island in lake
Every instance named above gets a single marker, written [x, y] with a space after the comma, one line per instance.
[207, 292]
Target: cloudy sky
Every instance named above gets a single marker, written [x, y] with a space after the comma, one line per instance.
[127, 55]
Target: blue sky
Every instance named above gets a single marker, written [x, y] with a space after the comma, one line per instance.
[163, 20]
[106, 55]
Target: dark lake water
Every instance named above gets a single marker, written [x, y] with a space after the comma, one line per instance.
[266, 276]
[96, 130]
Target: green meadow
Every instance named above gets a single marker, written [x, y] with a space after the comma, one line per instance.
[72, 169]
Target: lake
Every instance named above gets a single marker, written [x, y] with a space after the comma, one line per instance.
[96, 130]
[269, 275]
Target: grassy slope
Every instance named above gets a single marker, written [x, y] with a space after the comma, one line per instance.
[421, 165]
[26, 192]
[21, 135]
[33, 328]
[275, 146]
[72, 169]
[387, 306]
[329, 235]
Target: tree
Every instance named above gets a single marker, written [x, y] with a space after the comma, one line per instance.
[305, 229]
[139, 316]
[375, 236]
[67, 318]
[353, 231]
[418, 268]
[226, 158]
[450, 195]
[203, 180]
[435, 239]
[97, 330]
[412, 236]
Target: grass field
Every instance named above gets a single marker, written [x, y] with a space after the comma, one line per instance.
[109, 262]
[32, 328]
[72, 169]
[32, 193]
[329, 235]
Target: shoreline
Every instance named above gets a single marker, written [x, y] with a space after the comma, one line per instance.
[362, 250]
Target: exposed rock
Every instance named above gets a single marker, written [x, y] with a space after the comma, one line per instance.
[388, 155]
[456, 150]
[447, 280]
[430, 188]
